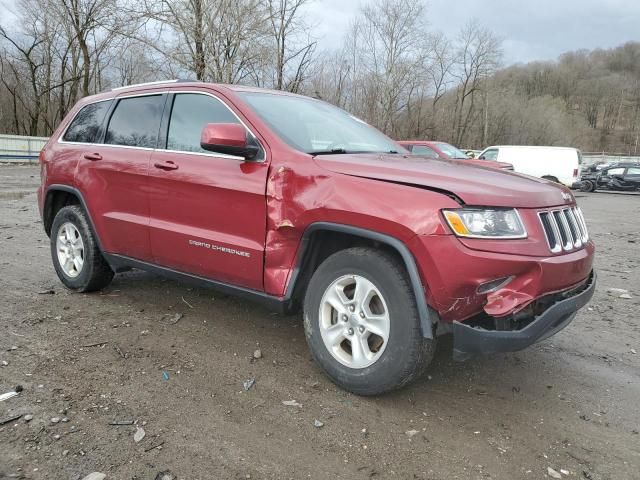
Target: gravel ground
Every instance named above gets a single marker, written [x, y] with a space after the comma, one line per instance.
[569, 403]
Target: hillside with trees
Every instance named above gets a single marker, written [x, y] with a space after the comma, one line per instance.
[589, 99]
[393, 69]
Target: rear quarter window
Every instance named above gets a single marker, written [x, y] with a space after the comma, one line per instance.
[85, 127]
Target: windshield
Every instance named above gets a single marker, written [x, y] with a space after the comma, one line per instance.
[316, 127]
[451, 151]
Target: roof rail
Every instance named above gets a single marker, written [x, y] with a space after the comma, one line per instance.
[177, 80]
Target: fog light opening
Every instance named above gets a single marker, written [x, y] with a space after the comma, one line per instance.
[493, 285]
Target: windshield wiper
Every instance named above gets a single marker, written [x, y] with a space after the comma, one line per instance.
[333, 151]
[342, 151]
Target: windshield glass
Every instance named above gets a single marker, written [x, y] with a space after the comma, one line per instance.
[312, 126]
[451, 151]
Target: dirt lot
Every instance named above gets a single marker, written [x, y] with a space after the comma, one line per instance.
[570, 403]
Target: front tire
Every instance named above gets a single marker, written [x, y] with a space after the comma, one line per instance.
[362, 324]
[74, 250]
[587, 186]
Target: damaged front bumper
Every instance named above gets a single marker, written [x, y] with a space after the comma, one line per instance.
[472, 340]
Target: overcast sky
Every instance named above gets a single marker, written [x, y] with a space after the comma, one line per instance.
[531, 30]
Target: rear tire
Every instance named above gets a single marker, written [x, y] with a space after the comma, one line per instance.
[377, 345]
[75, 253]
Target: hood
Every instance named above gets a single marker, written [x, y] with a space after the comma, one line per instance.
[489, 163]
[474, 185]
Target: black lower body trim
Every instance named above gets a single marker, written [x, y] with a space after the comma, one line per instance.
[120, 263]
[469, 341]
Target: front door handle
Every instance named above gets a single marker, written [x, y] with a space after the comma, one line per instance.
[93, 156]
[167, 165]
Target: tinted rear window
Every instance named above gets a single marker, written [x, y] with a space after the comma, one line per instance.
[451, 151]
[135, 122]
[85, 127]
[424, 150]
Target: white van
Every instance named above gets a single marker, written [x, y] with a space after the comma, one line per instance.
[560, 164]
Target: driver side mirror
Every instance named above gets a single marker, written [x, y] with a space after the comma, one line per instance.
[229, 139]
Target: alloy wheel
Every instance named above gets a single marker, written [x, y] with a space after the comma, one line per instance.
[354, 321]
[70, 249]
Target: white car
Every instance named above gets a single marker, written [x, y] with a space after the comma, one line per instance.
[559, 164]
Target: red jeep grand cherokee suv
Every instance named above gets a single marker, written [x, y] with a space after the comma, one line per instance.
[443, 150]
[294, 202]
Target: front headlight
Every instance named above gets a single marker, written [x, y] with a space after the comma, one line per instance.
[485, 223]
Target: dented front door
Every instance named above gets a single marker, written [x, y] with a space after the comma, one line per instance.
[208, 210]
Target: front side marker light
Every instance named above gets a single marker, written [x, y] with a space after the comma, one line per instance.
[456, 223]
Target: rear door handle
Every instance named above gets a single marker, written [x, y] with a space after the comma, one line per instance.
[168, 165]
[93, 156]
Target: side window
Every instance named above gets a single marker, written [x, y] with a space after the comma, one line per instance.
[615, 171]
[490, 154]
[190, 113]
[135, 122]
[633, 171]
[424, 150]
[85, 127]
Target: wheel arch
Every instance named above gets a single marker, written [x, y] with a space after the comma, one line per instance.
[553, 178]
[314, 249]
[58, 196]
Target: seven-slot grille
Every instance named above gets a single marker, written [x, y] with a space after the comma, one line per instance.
[565, 229]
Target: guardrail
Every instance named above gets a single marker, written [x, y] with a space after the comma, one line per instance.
[590, 158]
[18, 148]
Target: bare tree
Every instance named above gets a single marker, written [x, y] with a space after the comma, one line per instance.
[388, 48]
[94, 25]
[391, 70]
[29, 66]
[215, 40]
[477, 57]
[292, 54]
[433, 79]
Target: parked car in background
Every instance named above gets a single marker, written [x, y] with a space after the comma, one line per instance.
[446, 151]
[227, 186]
[558, 164]
[618, 177]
